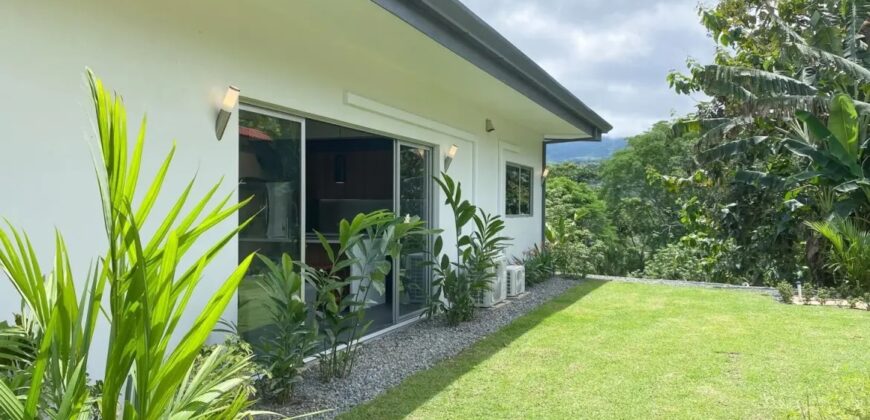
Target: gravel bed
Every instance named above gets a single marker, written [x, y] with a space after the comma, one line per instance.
[385, 361]
[683, 283]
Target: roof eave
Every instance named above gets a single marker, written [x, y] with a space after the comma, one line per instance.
[457, 28]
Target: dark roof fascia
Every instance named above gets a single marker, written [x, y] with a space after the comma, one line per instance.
[557, 141]
[457, 28]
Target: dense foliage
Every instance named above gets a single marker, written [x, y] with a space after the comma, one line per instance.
[767, 183]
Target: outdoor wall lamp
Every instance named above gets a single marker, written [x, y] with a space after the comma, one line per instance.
[546, 173]
[489, 127]
[451, 153]
[231, 99]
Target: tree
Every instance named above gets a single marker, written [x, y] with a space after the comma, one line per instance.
[643, 212]
[578, 204]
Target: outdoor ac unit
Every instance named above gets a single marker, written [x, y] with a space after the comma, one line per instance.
[498, 287]
[516, 280]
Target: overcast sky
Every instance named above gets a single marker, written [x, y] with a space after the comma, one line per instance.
[613, 54]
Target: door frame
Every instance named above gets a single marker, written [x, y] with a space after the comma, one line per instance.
[249, 107]
[433, 223]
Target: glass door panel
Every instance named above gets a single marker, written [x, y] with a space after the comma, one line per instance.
[415, 192]
[270, 168]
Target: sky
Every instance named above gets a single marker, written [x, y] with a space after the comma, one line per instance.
[612, 54]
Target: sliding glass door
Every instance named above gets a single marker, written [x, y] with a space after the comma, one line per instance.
[270, 174]
[347, 172]
[414, 189]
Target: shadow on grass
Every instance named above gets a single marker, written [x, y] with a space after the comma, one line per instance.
[403, 399]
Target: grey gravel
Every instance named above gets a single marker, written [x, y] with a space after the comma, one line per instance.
[386, 361]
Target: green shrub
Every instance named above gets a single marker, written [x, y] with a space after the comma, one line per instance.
[281, 352]
[809, 292]
[539, 265]
[824, 295]
[677, 261]
[575, 259]
[786, 292]
[456, 283]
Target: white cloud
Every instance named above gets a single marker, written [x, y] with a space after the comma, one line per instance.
[613, 54]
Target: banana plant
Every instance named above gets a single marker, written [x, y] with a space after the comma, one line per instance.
[837, 151]
[146, 288]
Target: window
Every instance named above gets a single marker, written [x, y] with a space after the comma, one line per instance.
[518, 190]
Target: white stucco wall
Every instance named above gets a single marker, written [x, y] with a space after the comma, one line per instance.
[174, 60]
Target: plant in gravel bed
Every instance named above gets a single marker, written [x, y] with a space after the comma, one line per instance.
[366, 247]
[539, 264]
[823, 295]
[281, 352]
[456, 283]
[786, 292]
[808, 294]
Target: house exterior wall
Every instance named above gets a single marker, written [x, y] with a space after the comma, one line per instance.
[175, 60]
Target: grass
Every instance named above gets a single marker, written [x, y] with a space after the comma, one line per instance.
[620, 350]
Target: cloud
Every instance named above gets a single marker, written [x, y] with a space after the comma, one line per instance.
[613, 54]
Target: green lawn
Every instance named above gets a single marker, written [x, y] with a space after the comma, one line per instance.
[621, 350]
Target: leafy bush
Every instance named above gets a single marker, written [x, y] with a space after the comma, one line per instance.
[539, 264]
[786, 292]
[850, 256]
[366, 244]
[809, 292]
[677, 261]
[457, 283]
[147, 289]
[578, 204]
[282, 351]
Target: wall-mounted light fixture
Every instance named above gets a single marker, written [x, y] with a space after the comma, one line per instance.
[489, 127]
[546, 173]
[231, 99]
[451, 153]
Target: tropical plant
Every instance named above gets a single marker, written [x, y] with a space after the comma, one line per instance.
[785, 68]
[281, 351]
[850, 256]
[457, 283]
[539, 264]
[147, 289]
[366, 246]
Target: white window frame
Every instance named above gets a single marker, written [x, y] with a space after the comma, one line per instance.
[531, 186]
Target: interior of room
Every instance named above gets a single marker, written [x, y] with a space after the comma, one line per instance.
[348, 172]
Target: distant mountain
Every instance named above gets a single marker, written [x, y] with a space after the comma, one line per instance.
[584, 151]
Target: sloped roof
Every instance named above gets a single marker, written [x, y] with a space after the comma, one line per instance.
[457, 28]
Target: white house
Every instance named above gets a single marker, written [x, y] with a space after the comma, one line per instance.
[346, 106]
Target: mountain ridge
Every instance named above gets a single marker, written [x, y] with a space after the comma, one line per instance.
[584, 151]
